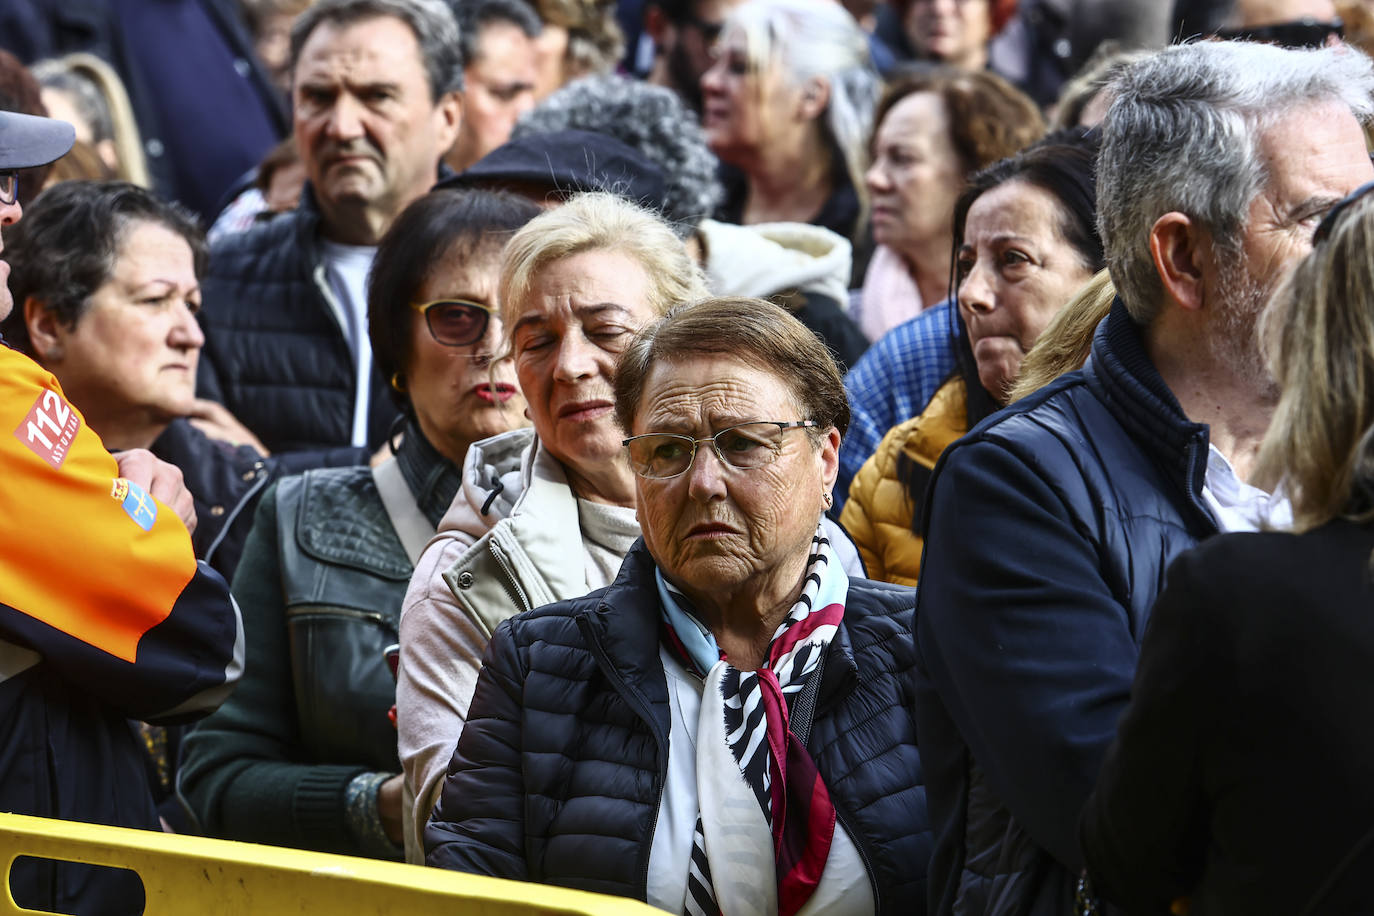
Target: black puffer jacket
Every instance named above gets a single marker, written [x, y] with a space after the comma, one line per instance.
[560, 770]
[275, 354]
[1048, 531]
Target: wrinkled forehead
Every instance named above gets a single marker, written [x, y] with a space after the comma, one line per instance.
[372, 47]
[708, 392]
[1316, 151]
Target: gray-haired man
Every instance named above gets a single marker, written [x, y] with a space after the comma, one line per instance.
[1050, 526]
[375, 100]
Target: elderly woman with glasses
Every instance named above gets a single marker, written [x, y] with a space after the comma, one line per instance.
[304, 753]
[725, 728]
[1239, 779]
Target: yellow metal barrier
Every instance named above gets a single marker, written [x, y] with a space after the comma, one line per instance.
[185, 874]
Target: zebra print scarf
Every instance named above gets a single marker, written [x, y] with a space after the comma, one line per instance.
[765, 812]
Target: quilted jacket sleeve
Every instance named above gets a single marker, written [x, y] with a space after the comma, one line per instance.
[1024, 642]
[479, 824]
[858, 521]
[878, 514]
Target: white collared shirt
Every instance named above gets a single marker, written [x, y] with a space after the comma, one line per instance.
[1237, 505]
[844, 889]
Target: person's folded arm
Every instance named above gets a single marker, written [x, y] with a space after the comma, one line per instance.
[98, 580]
[243, 771]
[441, 655]
[479, 824]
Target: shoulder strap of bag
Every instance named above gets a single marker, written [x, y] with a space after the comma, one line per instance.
[413, 529]
[803, 713]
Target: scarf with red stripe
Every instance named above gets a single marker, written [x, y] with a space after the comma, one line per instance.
[762, 799]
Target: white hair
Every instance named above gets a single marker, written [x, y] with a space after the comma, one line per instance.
[807, 38]
[1182, 135]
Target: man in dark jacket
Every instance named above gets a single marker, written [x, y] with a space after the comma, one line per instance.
[375, 98]
[206, 108]
[1050, 525]
[105, 615]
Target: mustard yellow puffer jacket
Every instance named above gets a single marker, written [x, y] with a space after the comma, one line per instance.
[878, 513]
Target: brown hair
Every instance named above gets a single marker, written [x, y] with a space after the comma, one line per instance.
[1318, 338]
[81, 163]
[20, 92]
[753, 331]
[989, 118]
[595, 40]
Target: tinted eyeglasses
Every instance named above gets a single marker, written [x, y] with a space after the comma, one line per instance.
[660, 456]
[455, 322]
[9, 187]
[1298, 33]
[1328, 222]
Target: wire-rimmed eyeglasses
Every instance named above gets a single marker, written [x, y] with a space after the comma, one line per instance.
[9, 188]
[744, 446]
[455, 322]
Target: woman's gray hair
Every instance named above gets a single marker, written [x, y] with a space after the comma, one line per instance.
[431, 20]
[809, 39]
[1182, 135]
[650, 119]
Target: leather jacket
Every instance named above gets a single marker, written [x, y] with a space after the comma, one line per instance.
[320, 584]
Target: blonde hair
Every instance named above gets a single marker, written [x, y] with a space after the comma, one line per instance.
[1067, 340]
[110, 91]
[1318, 338]
[598, 221]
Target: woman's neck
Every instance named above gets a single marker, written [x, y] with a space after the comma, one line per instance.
[790, 181]
[744, 621]
[975, 58]
[928, 264]
[611, 483]
[123, 433]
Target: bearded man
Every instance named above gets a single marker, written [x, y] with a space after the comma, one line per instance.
[1050, 526]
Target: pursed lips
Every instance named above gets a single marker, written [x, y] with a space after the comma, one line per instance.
[584, 410]
[349, 157]
[706, 530]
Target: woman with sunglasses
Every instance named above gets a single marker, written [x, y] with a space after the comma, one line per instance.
[1239, 779]
[304, 753]
[726, 728]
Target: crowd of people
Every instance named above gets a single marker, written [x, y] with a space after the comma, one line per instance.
[750, 456]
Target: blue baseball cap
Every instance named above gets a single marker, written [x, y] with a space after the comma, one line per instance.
[27, 141]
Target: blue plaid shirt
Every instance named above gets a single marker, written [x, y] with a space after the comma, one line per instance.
[892, 383]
